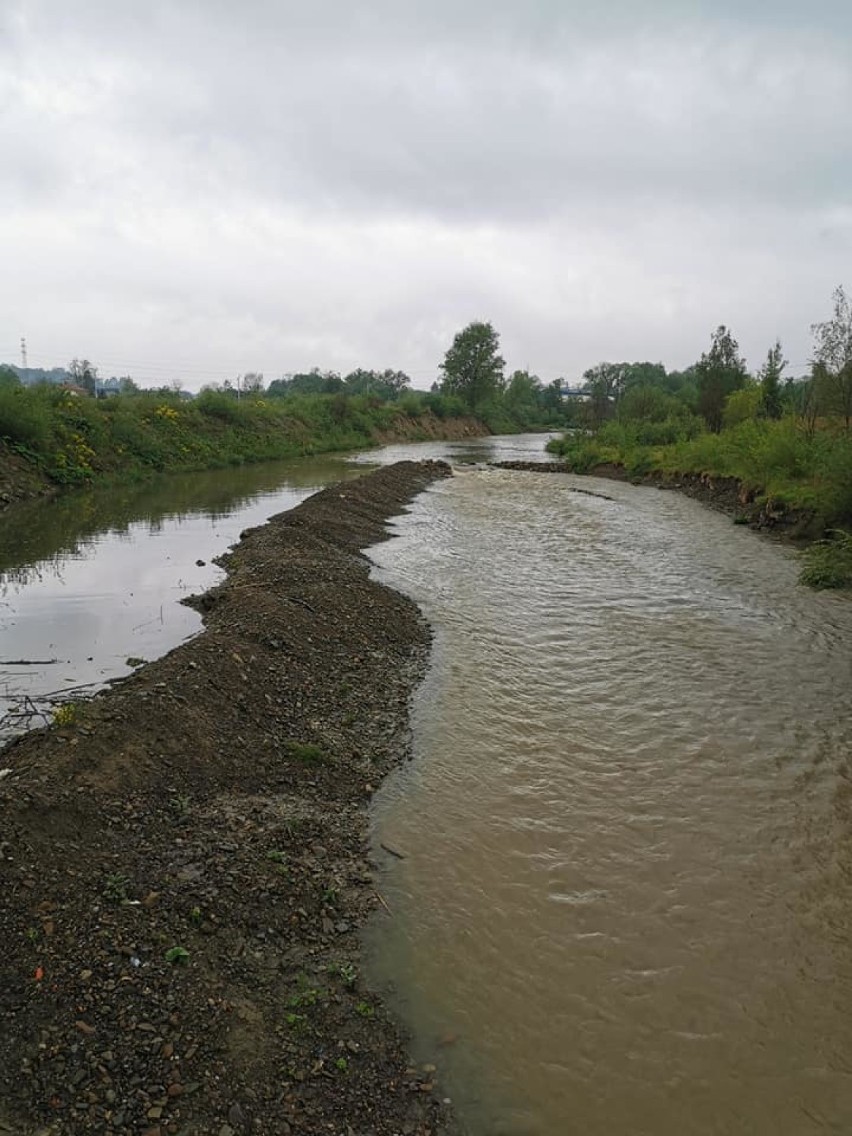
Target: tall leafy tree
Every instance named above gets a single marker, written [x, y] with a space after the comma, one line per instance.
[523, 394]
[832, 364]
[770, 381]
[387, 384]
[600, 388]
[473, 366]
[720, 371]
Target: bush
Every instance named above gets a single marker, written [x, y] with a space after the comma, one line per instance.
[412, 403]
[25, 419]
[828, 563]
[225, 407]
[445, 405]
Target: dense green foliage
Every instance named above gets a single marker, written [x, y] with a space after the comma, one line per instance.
[386, 385]
[473, 366]
[720, 372]
[75, 438]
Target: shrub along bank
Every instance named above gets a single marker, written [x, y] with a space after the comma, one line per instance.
[70, 439]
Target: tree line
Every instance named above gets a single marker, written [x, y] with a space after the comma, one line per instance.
[719, 391]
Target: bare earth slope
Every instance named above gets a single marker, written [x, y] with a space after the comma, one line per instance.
[183, 868]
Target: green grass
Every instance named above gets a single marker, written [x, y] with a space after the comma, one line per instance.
[307, 753]
[828, 563]
[76, 440]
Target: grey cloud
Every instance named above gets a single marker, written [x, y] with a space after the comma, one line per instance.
[322, 106]
[276, 184]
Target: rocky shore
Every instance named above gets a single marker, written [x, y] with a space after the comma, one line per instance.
[184, 860]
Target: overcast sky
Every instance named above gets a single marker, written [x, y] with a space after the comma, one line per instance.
[196, 188]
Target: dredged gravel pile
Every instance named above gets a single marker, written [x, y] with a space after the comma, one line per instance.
[184, 866]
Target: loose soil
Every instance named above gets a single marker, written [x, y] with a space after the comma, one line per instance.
[184, 865]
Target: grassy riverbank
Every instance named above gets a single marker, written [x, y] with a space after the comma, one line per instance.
[784, 474]
[184, 859]
[49, 436]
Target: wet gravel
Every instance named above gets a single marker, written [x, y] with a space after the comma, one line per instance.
[184, 864]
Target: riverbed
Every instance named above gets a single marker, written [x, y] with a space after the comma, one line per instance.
[624, 905]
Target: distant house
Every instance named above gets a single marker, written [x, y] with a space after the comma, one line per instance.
[574, 394]
[77, 392]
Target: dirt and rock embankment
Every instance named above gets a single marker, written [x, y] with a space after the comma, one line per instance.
[727, 494]
[184, 861]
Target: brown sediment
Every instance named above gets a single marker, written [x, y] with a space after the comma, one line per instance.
[184, 865]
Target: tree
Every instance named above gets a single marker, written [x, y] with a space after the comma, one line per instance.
[720, 371]
[523, 395]
[8, 377]
[770, 381]
[646, 403]
[387, 384]
[832, 363]
[600, 387]
[253, 382]
[84, 374]
[473, 367]
[742, 405]
[604, 381]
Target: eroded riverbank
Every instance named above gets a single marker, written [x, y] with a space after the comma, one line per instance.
[183, 862]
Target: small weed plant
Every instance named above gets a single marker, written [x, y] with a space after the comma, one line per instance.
[116, 888]
[307, 754]
[66, 714]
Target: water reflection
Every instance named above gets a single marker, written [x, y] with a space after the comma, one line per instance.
[38, 535]
[91, 580]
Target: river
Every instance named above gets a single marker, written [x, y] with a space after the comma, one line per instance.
[625, 901]
[626, 898]
[90, 580]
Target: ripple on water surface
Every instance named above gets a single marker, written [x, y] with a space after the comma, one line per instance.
[626, 887]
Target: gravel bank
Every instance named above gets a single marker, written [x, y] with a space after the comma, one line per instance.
[183, 864]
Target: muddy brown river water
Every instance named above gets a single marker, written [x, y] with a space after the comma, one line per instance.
[626, 897]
